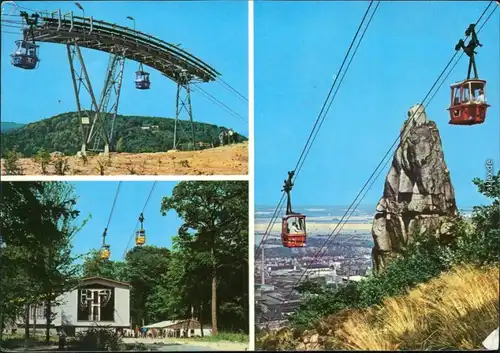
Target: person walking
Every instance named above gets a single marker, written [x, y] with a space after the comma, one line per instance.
[62, 338]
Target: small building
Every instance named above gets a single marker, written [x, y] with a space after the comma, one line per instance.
[94, 301]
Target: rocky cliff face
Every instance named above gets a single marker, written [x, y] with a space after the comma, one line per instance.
[418, 194]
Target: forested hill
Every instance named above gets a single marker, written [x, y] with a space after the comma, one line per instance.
[134, 134]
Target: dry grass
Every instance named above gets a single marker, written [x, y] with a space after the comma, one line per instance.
[226, 160]
[455, 311]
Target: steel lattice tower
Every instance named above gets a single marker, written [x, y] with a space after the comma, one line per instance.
[183, 109]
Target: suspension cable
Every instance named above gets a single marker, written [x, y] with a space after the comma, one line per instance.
[137, 223]
[400, 138]
[218, 102]
[105, 233]
[114, 204]
[231, 88]
[319, 119]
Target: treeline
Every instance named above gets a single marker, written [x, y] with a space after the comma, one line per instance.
[38, 223]
[206, 271]
[133, 134]
[476, 243]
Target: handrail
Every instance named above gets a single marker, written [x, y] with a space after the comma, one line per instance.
[138, 36]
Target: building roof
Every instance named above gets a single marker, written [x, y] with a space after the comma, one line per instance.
[168, 323]
[97, 278]
[353, 278]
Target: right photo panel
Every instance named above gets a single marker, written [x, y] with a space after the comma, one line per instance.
[376, 175]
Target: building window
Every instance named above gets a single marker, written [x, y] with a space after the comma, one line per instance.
[96, 304]
[37, 311]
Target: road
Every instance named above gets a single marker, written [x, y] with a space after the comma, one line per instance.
[169, 345]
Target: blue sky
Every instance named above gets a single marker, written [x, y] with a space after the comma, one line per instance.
[299, 47]
[216, 33]
[96, 198]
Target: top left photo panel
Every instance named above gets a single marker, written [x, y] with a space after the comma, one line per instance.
[124, 88]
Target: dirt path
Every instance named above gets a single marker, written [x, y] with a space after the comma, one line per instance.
[226, 160]
[170, 344]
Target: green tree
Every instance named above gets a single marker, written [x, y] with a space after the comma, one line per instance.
[43, 158]
[120, 145]
[215, 218]
[12, 165]
[37, 227]
[94, 266]
[477, 238]
[145, 267]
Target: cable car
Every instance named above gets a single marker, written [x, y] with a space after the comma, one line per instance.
[468, 99]
[140, 235]
[293, 225]
[468, 105]
[105, 252]
[26, 55]
[293, 231]
[142, 79]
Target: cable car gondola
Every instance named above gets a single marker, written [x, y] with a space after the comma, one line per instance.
[142, 78]
[105, 252]
[140, 235]
[105, 249]
[26, 54]
[468, 100]
[293, 225]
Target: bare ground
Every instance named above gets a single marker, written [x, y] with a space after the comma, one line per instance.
[191, 343]
[226, 160]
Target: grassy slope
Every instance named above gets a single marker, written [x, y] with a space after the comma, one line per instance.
[456, 310]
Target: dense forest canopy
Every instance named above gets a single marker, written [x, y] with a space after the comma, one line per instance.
[133, 134]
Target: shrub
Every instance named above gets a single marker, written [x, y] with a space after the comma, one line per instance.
[43, 158]
[98, 339]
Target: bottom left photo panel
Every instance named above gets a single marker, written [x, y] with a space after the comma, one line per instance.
[124, 266]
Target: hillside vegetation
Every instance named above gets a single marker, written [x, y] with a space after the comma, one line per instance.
[62, 133]
[434, 296]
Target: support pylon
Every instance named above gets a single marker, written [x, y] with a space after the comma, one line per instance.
[111, 89]
[183, 126]
[93, 121]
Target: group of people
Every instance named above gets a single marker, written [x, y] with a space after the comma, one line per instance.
[226, 137]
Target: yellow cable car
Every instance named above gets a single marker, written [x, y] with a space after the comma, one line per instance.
[105, 252]
[140, 237]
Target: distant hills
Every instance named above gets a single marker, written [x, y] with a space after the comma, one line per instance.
[133, 134]
[9, 126]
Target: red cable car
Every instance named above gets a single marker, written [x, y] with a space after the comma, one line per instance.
[468, 103]
[293, 225]
[293, 231]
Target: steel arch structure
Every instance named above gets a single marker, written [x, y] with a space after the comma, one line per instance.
[121, 43]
